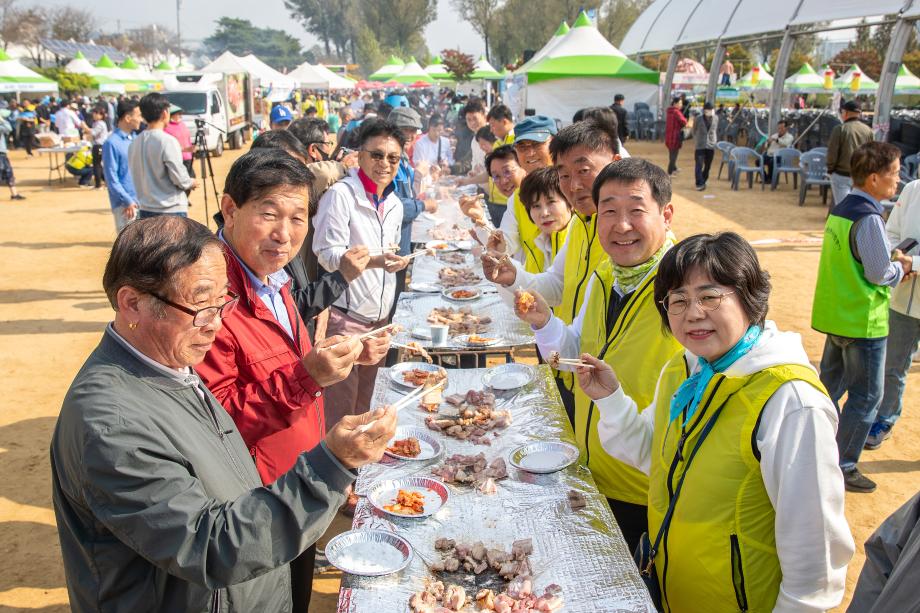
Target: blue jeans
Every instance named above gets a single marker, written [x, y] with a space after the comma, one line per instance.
[841, 186]
[149, 214]
[85, 174]
[903, 338]
[703, 162]
[855, 366]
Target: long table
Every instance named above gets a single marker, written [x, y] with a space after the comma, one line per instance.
[581, 551]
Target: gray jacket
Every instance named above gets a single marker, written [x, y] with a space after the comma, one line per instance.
[889, 578]
[159, 506]
[703, 138]
[159, 176]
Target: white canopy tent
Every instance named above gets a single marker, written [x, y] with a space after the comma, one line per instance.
[14, 77]
[336, 81]
[561, 31]
[309, 77]
[277, 85]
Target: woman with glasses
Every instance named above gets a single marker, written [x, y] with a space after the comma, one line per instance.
[745, 497]
[159, 505]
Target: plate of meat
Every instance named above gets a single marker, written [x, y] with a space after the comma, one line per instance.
[458, 276]
[413, 443]
[460, 320]
[416, 374]
[440, 246]
[508, 376]
[369, 553]
[476, 340]
[544, 457]
[462, 294]
[409, 496]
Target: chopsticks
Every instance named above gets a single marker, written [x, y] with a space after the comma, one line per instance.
[555, 360]
[363, 336]
[418, 253]
[382, 250]
[407, 400]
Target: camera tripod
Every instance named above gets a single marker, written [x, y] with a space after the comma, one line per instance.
[201, 152]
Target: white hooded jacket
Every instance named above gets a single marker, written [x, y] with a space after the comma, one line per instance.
[799, 466]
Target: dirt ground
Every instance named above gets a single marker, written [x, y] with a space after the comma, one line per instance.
[52, 311]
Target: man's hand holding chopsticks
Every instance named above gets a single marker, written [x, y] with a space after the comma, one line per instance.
[332, 358]
[354, 445]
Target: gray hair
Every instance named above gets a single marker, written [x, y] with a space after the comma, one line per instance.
[149, 254]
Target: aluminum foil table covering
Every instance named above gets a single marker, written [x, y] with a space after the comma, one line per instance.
[413, 308]
[582, 551]
[448, 213]
[425, 269]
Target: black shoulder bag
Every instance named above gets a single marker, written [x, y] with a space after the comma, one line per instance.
[645, 552]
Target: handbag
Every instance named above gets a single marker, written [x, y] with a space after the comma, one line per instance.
[646, 551]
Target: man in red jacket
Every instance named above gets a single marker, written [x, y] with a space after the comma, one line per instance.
[261, 366]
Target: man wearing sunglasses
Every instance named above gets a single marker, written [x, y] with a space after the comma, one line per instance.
[363, 209]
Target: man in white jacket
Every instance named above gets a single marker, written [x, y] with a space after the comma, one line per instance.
[362, 210]
[903, 317]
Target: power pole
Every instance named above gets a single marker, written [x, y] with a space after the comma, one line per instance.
[178, 31]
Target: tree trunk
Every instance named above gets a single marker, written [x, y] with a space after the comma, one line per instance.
[328, 49]
[354, 55]
[485, 39]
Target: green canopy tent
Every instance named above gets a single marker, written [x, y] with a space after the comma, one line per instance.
[764, 83]
[137, 79]
[561, 31]
[82, 66]
[388, 70]
[16, 78]
[845, 81]
[585, 69]
[438, 71]
[412, 72]
[483, 70]
[805, 81]
[907, 83]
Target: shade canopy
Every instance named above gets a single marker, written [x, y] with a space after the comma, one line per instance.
[438, 71]
[412, 72]
[805, 81]
[14, 77]
[388, 70]
[484, 70]
[276, 86]
[335, 80]
[845, 81]
[561, 31]
[764, 80]
[907, 82]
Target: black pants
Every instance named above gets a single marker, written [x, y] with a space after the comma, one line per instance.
[632, 519]
[302, 580]
[672, 160]
[97, 165]
[768, 167]
[703, 158]
[27, 135]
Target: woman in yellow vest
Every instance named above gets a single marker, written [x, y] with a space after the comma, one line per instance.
[745, 496]
[549, 212]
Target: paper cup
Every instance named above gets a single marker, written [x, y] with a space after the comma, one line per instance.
[438, 334]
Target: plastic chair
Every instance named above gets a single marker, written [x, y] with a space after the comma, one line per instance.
[819, 150]
[725, 147]
[909, 167]
[813, 170]
[745, 160]
[786, 161]
[632, 126]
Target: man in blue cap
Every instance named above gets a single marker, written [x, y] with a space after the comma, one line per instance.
[281, 117]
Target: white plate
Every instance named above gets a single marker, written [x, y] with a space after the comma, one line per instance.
[464, 339]
[447, 246]
[448, 293]
[370, 553]
[426, 288]
[508, 376]
[463, 245]
[384, 493]
[421, 332]
[543, 457]
[396, 372]
[430, 446]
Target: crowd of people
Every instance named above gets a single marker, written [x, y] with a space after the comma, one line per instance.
[211, 437]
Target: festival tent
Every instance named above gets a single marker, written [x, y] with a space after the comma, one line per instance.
[845, 81]
[275, 86]
[561, 31]
[137, 78]
[164, 67]
[309, 77]
[185, 67]
[584, 69]
[484, 70]
[689, 74]
[388, 70]
[764, 80]
[805, 81]
[80, 65]
[14, 77]
[412, 72]
[335, 80]
[907, 82]
[437, 71]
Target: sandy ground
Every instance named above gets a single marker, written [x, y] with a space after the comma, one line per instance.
[52, 311]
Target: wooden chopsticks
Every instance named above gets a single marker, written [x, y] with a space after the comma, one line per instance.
[363, 336]
[407, 400]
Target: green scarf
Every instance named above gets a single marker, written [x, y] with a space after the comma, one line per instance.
[629, 277]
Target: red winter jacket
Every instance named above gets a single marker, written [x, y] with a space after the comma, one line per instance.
[254, 368]
[674, 122]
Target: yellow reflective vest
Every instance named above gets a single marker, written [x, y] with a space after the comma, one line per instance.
[719, 552]
[534, 261]
[80, 159]
[637, 348]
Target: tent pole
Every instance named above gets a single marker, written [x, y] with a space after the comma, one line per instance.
[717, 57]
[779, 78]
[666, 88]
[886, 83]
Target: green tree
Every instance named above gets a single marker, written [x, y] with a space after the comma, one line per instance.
[868, 59]
[459, 64]
[618, 16]
[335, 22]
[369, 54]
[70, 84]
[274, 47]
[399, 24]
[482, 15]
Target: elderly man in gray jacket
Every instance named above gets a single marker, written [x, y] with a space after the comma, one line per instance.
[705, 137]
[158, 503]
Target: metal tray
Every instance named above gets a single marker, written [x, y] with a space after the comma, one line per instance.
[341, 551]
[464, 339]
[447, 293]
[396, 373]
[543, 457]
[384, 493]
[431, 447]
[508, 376]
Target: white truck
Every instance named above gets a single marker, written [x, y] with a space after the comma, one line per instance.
[227, 101]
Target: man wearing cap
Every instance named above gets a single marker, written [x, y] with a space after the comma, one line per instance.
[845, 139]
[281, 117]
[177, 129]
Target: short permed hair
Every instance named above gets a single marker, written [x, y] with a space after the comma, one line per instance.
[484, 133]
[588, 133]
[263, 170]
[728, 260]
[153, 105]
[372, 128]
[505, 152]
[309, 130]
[280, 139]
[630, 170]
[870, 158]
[499, 112]
[474, 106]
[149, 254]
[541, 182]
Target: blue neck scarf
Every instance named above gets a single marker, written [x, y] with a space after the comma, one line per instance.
[691, 390]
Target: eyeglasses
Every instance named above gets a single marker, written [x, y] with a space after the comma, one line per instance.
[676, 304]
[203, 317]
[379, 156]
[328, 143]
[507, 173]
[527, 145]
